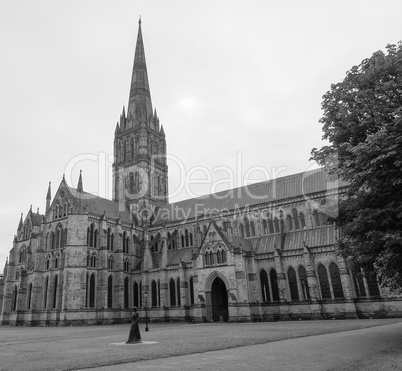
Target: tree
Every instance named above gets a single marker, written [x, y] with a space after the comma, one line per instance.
[362, 121]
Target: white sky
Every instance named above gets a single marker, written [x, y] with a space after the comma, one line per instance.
[228, 79]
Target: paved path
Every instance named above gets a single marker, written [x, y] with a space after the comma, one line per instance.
[376, 348]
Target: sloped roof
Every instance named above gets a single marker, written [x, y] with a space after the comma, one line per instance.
[286, 187]
[238, 241]
[322, 236]
[36, 219]
[99, 205]
[174, 256]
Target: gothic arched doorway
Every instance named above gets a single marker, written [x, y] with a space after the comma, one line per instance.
[219, 297]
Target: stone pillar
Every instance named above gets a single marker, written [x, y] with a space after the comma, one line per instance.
[147, 251]
[102, 277]
[350, 306]
[282, 284]
[311, 275]
[118, 281]
[164, 248]
[183, 284]
[75, 265]
[317, 311]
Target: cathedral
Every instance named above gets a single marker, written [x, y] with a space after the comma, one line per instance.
[262, 252]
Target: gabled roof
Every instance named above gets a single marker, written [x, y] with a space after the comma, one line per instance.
[295, 185]
[237, 241]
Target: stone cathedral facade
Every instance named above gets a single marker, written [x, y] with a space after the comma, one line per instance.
[260, 252]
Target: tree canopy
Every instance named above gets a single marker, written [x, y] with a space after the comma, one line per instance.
[362, 122]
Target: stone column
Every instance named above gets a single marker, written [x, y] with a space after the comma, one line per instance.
[282, 284]
[350, 306]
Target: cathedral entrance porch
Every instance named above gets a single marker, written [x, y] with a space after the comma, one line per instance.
[217, 302]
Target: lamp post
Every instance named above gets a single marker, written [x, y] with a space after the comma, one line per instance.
[146, 310]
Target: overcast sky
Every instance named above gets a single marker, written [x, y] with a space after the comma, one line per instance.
[237, 85]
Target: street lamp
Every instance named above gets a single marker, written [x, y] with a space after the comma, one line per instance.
[146, 310]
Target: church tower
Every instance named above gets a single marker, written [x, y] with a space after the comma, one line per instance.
[140, 172]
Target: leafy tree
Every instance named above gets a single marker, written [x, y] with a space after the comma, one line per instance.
[362, 122]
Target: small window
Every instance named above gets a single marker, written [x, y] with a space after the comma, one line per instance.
[209, 258]
[221, 256]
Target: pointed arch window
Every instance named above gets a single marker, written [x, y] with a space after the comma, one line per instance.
[274, 285]
[57, 238]
[294, 293]
[276, 224]
[21, 255]
[191, 290]
[159, 293]
[264, 227]
[289, 222]
[136, 295]
[178, 291]
[53, 240]
[91, 238]
[108, 238]
[324, 282]
[126, 298]
[264, 286]
[271, 226]
[55, 284]
[154, 294]
[304, 283]
[17, 274]
[92, 260]
[110, 262]
[336, 281]
[247, 226]
[45, 292]
[172, 292]
[209, 258]
[48, 263]
[126, 265]
[302, 221]
[221, 255]
[92, 289]
[170, 242]
[186, 237]
[110, 292]
[132, 183]
[182, 240]
[295, 219]
[252, 229]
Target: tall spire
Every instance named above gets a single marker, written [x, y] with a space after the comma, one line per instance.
[20, 224]
[139, 109]
[48, 198]
[79, 187]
